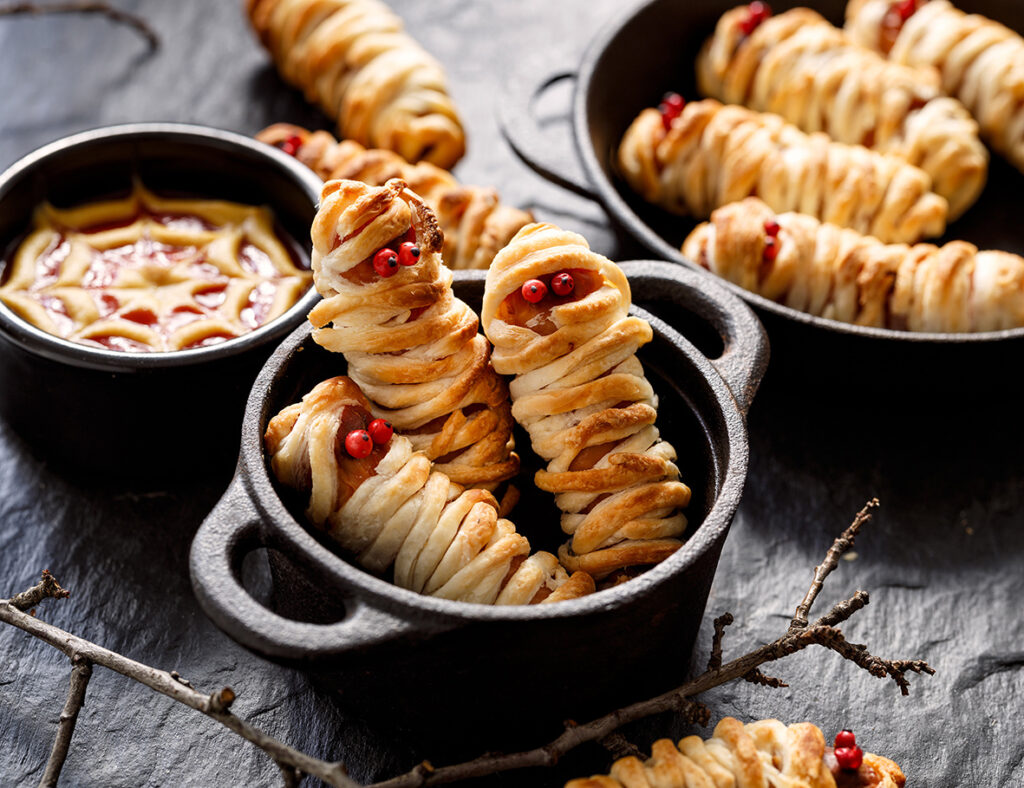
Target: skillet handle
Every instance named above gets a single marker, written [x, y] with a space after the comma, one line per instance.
[525, 134]
[744, 357]
[227, 535]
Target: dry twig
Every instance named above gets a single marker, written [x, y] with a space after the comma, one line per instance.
[85, 7]
[294, 764]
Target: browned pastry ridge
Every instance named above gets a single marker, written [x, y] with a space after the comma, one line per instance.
[837, 273]
[979, 61]
[354, 59]
[713, 154]
[581, 393]
[799, 66]
[475, 223]
[762, 754]
[412, 347]
[390, 509]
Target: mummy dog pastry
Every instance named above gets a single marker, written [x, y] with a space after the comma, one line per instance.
[692, 159]
[799, 66]
[557, 315]
[381, 501]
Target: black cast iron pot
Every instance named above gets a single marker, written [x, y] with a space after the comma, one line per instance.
[142, 418]
[476, 671]
[651, 50]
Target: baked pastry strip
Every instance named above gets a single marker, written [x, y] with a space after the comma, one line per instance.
[412, 347]
[799, 66]
[354, 59]
[979, 61]
[762, 754]
[581, 393]
[837, 273]
[714, 154]
[391, 509]
[475, 223]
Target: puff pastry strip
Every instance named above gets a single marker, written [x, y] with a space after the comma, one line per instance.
[762, 754]
[412, 347]
[839, 274]
[979, 61]
[354, 59]
[581, 393]
[475, 223]
[392, 509]
[799, 66]
[715, 154]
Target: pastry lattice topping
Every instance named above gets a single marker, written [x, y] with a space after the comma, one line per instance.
[581, 393]
[799, 66]
[475, 223]
[979, 61]
[354, 59]
[714, 154]
[412, 347]
[837, 273]
[762, 754]
[381, 501]
[147, 273]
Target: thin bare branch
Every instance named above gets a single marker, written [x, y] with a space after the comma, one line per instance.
[46, 588]
[81, 672]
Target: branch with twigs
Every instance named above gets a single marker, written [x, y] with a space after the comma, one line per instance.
[294, 765]
[137, 23]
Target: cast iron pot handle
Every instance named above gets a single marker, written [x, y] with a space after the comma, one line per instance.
[231, 531]
[744, 357]
[528, 139]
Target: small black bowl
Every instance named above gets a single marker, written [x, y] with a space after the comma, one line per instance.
[143, 417]
[434, 667]
[652, 49]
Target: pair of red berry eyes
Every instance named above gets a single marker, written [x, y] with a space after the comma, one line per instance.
[848, 754]
[771, 243]
[386, 261]
[534, 290]
[359, 443]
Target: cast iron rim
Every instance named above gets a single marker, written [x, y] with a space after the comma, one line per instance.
[381, 593]
[624, 215]
[41, 343]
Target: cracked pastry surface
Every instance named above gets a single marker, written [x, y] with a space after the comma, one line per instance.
[840, 274]
[713, 154]
[762, 754]
[354, 59]
[797, 65]
[582, 395]
[474, 221]
[392, 510]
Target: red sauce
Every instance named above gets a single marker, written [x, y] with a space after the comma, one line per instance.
[116, 342]
[261, 299]
[516, 310]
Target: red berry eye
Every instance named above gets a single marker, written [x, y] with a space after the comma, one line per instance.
[849, 757]
[845, 738]
[757, 12]
[408, 253]
[380, 431]
[292, 144]
[534, 291]
[385, 262]
[771, 250]
[771, 228]
[562, 284]
[671, 107]
[358, 444]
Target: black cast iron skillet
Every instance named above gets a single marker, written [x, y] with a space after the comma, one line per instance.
[468, 669]
[651, 50]
[142, 419]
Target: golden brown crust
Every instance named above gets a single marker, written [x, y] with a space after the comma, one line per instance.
[799, 66]
[354, 59]
[714, 154]
[837, 273]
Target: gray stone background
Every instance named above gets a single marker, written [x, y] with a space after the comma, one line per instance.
[942, 562]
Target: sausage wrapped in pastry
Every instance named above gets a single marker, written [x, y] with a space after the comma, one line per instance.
[799, 66]
[839, 274]
[474, 221]
[979, 61]
[381, 501]
[557, 315]
[411, 345]
[762, 754]
[709, 155]
[354, 59]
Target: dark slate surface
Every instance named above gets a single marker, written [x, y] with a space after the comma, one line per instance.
[942, 563]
